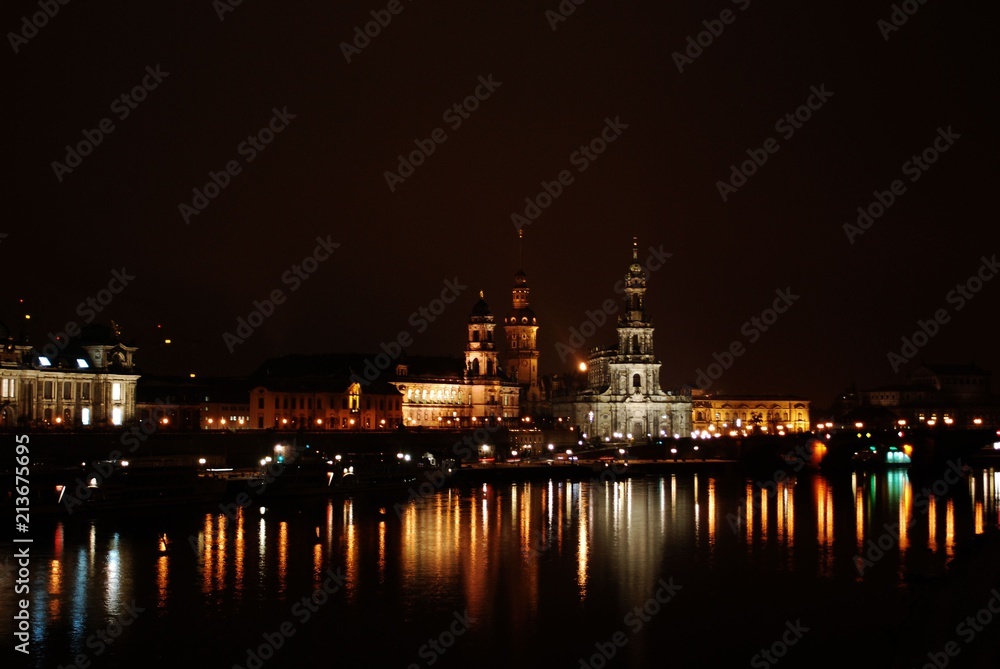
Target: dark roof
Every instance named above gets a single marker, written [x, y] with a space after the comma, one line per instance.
[326, 384]
[194, 391]
[971, 369]
[895, 388]
[481, 308]
[434, 365]
[518, 314]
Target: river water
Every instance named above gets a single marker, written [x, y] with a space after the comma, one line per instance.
[680, 570]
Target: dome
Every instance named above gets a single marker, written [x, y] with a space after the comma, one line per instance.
[481, 308]
[520, 279]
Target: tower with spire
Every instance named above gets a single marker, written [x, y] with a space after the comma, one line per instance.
[520, 327]
[623, 399]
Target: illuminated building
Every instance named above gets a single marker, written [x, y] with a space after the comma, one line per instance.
[725, 413]
[622, 396]
[447, 393]
[88, 382]
[520, 327]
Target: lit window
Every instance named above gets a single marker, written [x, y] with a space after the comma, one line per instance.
[85, 416]
[116, 415]
[43, 361]
[81, 363]
[116, 392]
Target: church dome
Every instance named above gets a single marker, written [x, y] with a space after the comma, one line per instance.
[481, 308]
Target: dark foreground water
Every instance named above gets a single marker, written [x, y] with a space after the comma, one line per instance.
[688, 570]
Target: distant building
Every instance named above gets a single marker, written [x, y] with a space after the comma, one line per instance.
[90, 382]
[726, 413]
[622, 396]
[957, 395]
[321, 392]
[194, 403]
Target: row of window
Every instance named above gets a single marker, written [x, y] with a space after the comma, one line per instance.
[67, 416]
[63, 388]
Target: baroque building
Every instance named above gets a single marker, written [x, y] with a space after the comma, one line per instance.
[450, 393]
[622, 395]
[733, 415]
[89, 382]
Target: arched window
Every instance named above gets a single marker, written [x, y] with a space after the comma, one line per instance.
[635, 343]
[636, 381]
[475, 366]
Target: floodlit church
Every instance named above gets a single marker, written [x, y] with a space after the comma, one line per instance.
[622, 398]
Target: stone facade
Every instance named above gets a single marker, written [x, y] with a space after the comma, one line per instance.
[90, 383]
[622, 398]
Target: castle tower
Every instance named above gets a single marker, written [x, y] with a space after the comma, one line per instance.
[481, 349]
[521, 335]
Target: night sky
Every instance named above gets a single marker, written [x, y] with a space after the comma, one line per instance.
[678, 133]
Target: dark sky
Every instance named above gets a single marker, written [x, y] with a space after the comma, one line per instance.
[323, 175]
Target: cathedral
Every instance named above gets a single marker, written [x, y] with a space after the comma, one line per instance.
[622, 398]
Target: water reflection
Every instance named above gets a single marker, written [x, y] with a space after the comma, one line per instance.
[505, 548]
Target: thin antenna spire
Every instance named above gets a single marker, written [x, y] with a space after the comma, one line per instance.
[520, 239]
[635, 249]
